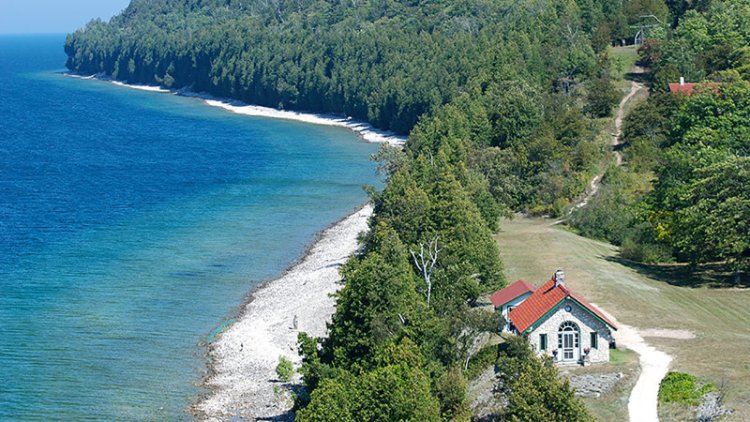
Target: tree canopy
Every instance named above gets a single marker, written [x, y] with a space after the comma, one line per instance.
[492, 95]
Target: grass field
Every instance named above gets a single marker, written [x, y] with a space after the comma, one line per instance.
[623, 60]
[644, 297]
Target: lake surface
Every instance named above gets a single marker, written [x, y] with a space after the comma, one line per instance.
[133, 224]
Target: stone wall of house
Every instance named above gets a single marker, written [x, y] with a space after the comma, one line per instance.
[586, 323]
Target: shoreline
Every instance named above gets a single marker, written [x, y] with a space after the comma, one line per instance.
[363, 129]
[242, 360]
[240, 382]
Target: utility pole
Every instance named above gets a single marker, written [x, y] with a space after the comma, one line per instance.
[647, 22]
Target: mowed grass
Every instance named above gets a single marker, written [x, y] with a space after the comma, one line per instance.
[623, 60]
[532, 249]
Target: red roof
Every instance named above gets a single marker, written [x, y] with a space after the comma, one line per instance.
[688, 88]
[511, 292]
[543, 300]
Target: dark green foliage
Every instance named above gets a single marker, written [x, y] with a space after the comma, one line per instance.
[601, 38]
[386, 62]
[715, 221]
[679, 387]
[533, 388]
[379, 297]
[396, 389]
[709, 39]
[481, 361]
[450, 388]
[489, 92]
[683, 195]
[602, 97]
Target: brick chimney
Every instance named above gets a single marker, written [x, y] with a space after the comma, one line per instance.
[559, 277]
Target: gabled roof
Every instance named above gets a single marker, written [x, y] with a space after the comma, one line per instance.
[511, 292]
[546, 299]
[690, 88]
[685, 88]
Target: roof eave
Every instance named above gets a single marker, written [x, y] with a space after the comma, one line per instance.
[512, 299]
[557, 305]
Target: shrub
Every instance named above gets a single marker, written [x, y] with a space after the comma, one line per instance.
[481, 361]
[285, 369]
[679, 387]
[648, 253]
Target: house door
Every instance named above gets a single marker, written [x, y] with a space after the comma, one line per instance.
[568, 341]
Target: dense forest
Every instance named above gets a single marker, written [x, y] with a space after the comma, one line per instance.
[683, 194]
[504, 103]
[524, 81]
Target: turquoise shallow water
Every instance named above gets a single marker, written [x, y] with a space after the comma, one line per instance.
[132, 224]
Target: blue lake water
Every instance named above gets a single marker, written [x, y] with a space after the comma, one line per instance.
[132, 224]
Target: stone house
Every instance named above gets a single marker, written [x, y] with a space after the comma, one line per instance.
[557, 321]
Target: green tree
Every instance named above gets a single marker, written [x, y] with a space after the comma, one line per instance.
[602, 97]
[533, 388]
[377, 302]
[716, 221]
[397, 388]
[285, 369]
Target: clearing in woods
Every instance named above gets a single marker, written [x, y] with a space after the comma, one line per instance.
[663, 302]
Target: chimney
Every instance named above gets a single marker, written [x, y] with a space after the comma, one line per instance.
[682, 81]
[559, 277]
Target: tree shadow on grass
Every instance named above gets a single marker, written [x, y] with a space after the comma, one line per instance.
[714, 275]
[643, 78]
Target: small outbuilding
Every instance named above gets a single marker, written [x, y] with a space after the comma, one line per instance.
[510, 297]
[557, 321]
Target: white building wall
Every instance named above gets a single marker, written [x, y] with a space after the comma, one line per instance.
[586, 322]
[504, 309]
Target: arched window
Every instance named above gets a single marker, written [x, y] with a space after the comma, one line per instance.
[568, 340]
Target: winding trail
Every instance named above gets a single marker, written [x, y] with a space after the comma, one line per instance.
[596, 181]
[643, 401]
[635, 87]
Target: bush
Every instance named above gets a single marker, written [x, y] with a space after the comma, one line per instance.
[285, 369]
[602, 97]
[481, 361]
[679, 387]
[648, 253]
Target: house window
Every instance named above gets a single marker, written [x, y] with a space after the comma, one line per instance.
[594, 340]
[542, 342]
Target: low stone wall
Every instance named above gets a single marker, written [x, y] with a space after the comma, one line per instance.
[594, 385]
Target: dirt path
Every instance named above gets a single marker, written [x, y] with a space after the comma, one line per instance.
[643, 401]
[635, 87]
[596, 182]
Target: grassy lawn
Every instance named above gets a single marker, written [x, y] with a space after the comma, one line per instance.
[646, 298]
[623, 60]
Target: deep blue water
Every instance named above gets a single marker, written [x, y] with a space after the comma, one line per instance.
[132, 224]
